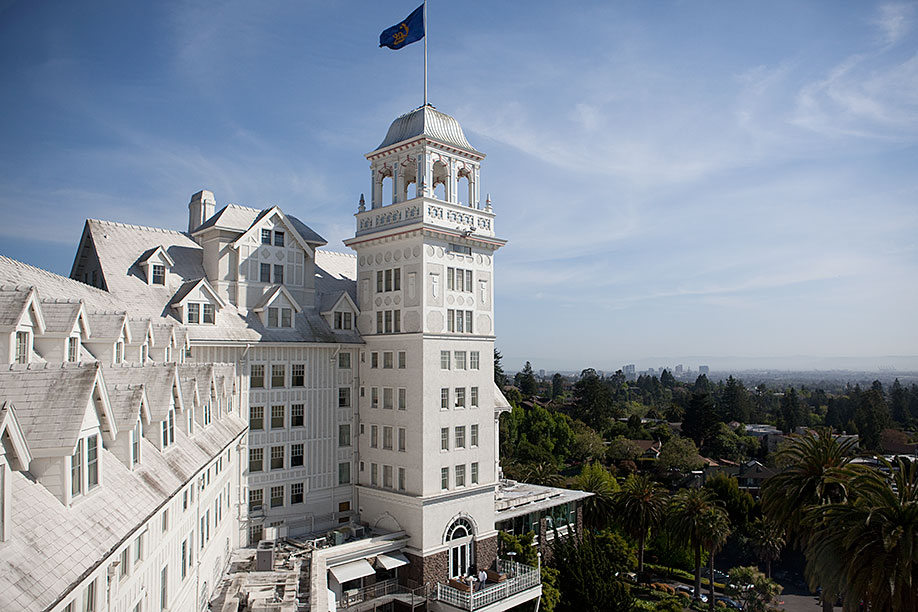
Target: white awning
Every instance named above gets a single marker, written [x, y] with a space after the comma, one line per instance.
[352, 571]
[391, 560]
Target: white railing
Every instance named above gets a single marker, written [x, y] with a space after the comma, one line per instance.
[519, 578]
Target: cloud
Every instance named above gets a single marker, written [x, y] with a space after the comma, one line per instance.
[895, 21]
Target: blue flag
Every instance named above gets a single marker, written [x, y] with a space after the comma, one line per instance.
[408, 31]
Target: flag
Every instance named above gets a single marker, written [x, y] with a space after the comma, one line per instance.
[408, 31]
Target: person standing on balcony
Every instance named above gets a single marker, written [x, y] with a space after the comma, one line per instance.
[482, 577]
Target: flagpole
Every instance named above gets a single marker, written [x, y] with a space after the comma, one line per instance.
[425, 52]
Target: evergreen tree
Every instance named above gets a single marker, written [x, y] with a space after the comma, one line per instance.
[871, 417]
[700, 421]
[499, 376]
[592, 400]
[667, 379]
[557, 385]
[527, 381]
[791, 412]
[734, 401]
[898, 403]
[587, 577]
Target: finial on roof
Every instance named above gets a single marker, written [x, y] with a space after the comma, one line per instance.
[362, 206]
[488, 203]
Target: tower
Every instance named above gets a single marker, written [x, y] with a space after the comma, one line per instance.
[425, 286]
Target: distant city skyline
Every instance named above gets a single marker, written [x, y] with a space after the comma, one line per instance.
[708, 180]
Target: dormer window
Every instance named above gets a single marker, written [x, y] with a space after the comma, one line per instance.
[194, 312]
[73, 349]
[76, 470]
[23, 346]
[84, 461]
[207, 414]
[208, 312]
[266, 236]
[92, 460]
[136, 434]
[144, 351]
[343, 320]
[159, 274]
[119, 352]
[279, 239]
[168, 427]
[280, 317]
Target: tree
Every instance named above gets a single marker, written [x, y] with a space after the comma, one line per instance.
[551, 593]
[867, 544]
[716, 528]
[557, 385]
[816, 471]
[667, 379]
[871, 417]
[736, 502]
[791, 412]
[597, 509]
[763, 594]
[679, 454]
[641, 506]
[767, 541]
[622, 449]
[527, 382]
[586, 579]
[700, 421]
[687, 520]
[735, 401]
[898, 403]
[592, 400]
[520, 545]
[586, 445]
[500, 378]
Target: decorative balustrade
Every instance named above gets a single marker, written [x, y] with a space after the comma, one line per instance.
[380, 589]
[519, 578]
[421, 210]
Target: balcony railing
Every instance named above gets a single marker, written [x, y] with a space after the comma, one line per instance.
[519, 578]
[381, 589]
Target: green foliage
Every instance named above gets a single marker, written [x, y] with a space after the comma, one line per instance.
[622, 449]
[551, 592]
[701, 421]
[672, 551]
[593, 401]
[871, 417]
[734, 401]
[670, 604]
[598, 508]
[679, 454]
[728, 444]
[535, 435]
[767, 540]
[737, 503]
[688, 519]
[641, 506]
[617, 550]
[521, 545]
[763, 594]
[526, 381]
[792, 415]
[557, 385]
[499, 376]
[586, 579]
[586, 445]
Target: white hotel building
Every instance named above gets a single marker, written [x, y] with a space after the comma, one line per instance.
[235, 378]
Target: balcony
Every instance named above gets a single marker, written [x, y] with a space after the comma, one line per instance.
[523, 583]
[381, 593]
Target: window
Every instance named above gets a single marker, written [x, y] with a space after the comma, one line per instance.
[76, 470]
[123, 563]
[387, 437]
[169, 428]
[278, 375]
[343, 320]
[444, 478]
[344, 473]
[460, 360]
[460, 397]
[387, 397]
[344, 434]
[460, 475]
[296, 493]
[164, 522]
[266, 236]
[459, 248]
[388, 321]
[387, 476]
[402, 360]
[379, 281]
[256, 458]
[159, 274]
[119, 352]
[138, 549]
[475, 473]
[473, 399]
[278, 274]
[297, 374]
[89, 601]
[296, 415]
[473, 435]
[256, 499]
[136, 435]
[402, 438]
[73, 349]
[444, 360]
[22, 347]
[402, 399]
[265, 273]
[185, 499]
[92, 460]
[444, 438]
[257, 376]
[344, 397]
[272, 317]
[460, 436]
[344, 361]
[459, 321]
[444, 399]
[388, 280]
[374, 436]
[278, 238]
[164, 587]
[387, 360]
[256, 418]
[277, 417]
[374, 397]
[374, 474]
[184, 558]
[296, 455]
[458, 279]
[374, 360]
[194, 312]
[401, 479]
[208, 314]
[277, 496]
[277, 457]
[286, 317]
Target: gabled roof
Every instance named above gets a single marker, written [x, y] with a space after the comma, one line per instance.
[140, 330]
[164, 335]
[15, 302]
[238, 218]
[108, 326]
[157, 250]
[189, 286]
[332, 302]
[286, 222]
[159, 382]
[190, 392]
[129, 403]
[336, 272]
[272, 295]
[500, 401]
[62, 316]
[51, 403]
[10, 427]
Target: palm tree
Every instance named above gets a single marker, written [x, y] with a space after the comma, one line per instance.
[686, 520]
[542, 473]
[817, 470]
[870, 542]
[716, 529]
[641, 505]
[597, 509]
[767, 541]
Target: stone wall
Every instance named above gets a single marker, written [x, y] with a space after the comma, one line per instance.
[426, 570]
[486, 552]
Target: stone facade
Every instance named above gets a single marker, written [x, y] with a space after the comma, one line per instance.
[427, 570]
[486, 552]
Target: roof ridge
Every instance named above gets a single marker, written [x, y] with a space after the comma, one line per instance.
[44, 272]
[234, 205]
[162, 230]
[342, 254]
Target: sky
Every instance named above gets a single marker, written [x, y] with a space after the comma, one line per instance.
[680, 182]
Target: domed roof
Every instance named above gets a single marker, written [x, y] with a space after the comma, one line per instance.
[429, 122]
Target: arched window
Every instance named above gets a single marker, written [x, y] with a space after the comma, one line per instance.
[462, 546]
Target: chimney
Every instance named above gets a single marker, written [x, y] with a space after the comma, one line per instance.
[200, 209]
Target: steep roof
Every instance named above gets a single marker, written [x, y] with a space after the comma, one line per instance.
[240, 218]
[61, 316]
